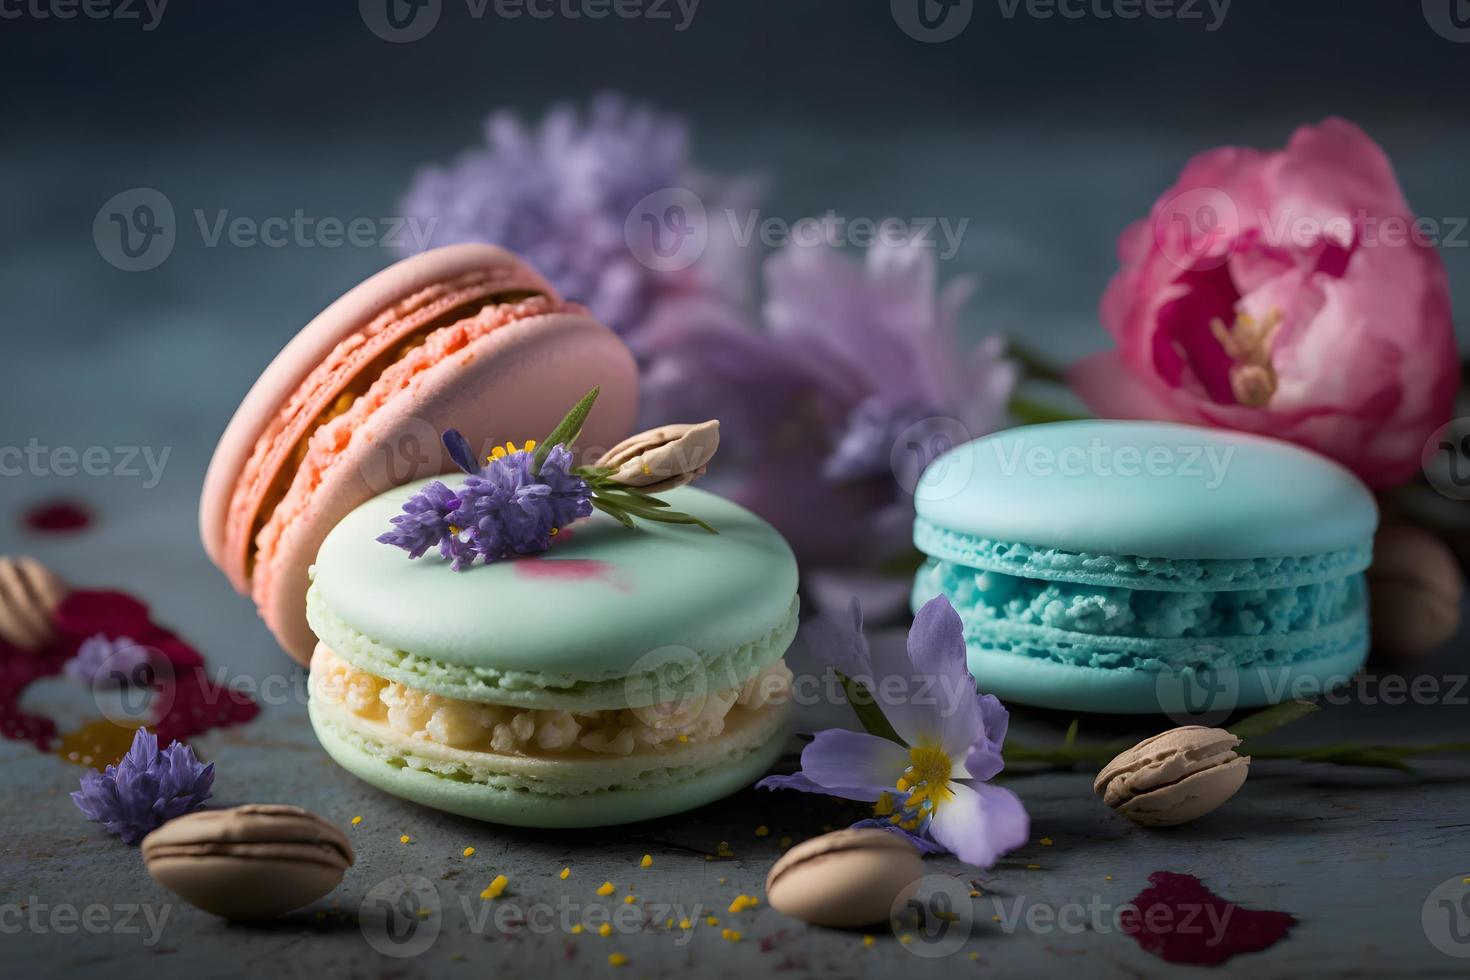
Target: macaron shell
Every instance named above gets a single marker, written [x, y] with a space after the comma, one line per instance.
[306, 351]
[516, 382]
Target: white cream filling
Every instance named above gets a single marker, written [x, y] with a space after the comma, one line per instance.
[475, 726]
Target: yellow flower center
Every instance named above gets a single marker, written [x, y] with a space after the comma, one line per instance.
[1248, 345]
[923, 786]
[500, 452]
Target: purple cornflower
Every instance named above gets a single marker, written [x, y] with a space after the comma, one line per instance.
[560, 194]
[102, 662]
[930, 783]
[146, 789]
[503, 509]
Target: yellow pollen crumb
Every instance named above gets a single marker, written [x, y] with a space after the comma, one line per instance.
[685, 924]
[647, 861]
[683, 739]
[606, 888]
[709, 857]
[869, 941]
[617, 959]
[974, 893]
[1033, 867]
[495, 888]
[763, 831]
[577, 929]
[785, 842]
[468, 852]
[711, 921]
[565, 874]
[555, 531]
[668, 923]
[404, 839]
[724, 880]
[629, 899]
[906, 938]
[1110, 878]
[731, 935]
[995, 918]
[356, 821]
[974, 957]
[605, 929]
[1047, 842]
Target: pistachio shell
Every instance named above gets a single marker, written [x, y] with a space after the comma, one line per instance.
[663, 458]
[29, 594]
[1174, 777]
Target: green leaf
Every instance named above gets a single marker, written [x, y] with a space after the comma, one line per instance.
[1071, 737]
[567, 429]
[867, 710]
[647, 500]
[1272, 718]
[1031, 412]
[615, 511]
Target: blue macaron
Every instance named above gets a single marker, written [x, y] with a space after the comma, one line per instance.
[1142, 566]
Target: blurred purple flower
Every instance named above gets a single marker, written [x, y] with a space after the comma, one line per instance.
[932, 784]
[854, 385]
[146, 789]
[102, 662]
[560, 194]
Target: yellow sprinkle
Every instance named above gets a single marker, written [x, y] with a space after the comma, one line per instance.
[785, 841]
[1110, 878]
[995, 918]
[629, 899]
[495, 888]
[763, 831]
[468, 852]
[606, 888]
[668, 923]
[404, 839]
[709, 857]
[617, 959]
[974, 957]
[731, 935]
[356, 821]
[724, 880]
[605, 929]
[577, 929]
[647, 861]
[711, 921]
[869, 941]
[683, 739]
[685, 924]
[1033, 867]
[1463, 881]
[565, 874]
[555, 531]
[1046, 842]
[906, 938]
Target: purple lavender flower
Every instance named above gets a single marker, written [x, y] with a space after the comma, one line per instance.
[103, 662]
[560, 194]
[504, 509]
[855, 383]
[425, 521]
[146, 789]
[932, 783]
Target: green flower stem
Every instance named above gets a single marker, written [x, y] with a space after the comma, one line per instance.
[1031, 412]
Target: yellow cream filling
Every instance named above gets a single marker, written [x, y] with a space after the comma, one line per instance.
[478, 727]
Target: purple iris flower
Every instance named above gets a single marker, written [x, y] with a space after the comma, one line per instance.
[102, 662]
[146, 789]
[932, 784]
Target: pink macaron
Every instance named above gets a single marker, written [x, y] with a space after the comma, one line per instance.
[467, 337]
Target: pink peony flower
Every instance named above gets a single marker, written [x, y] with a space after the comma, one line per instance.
[1288, 293]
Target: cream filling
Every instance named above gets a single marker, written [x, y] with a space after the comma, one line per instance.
[478, 727]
